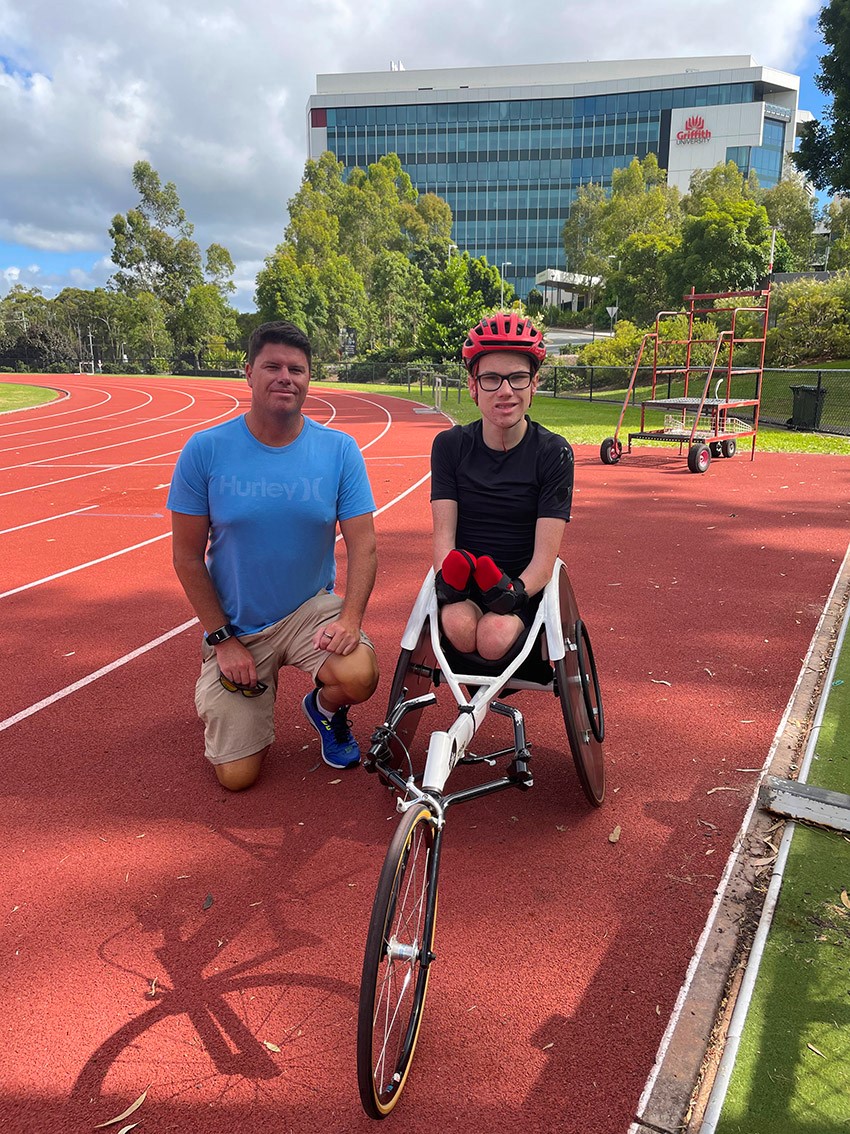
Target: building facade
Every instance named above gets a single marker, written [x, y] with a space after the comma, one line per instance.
[508, 147]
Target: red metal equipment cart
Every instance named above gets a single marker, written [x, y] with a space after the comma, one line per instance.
[706, 422]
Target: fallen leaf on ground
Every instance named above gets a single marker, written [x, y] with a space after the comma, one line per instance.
[334, 781]
[845, 899]
[271, 1046]
[658, 681]
[763, 861]
[126, 1113]
[614, 837]
[712, 790]
[812, 1047]
[208, 901]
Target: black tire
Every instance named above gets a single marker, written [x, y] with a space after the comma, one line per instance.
[589, 682]
[397, 963]
[413, 678]
[729, 447]
[610, 451]
[576, 704]
[699, 458]
[716, 448]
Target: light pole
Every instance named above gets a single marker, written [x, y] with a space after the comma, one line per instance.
[505, 264]
[452, 247]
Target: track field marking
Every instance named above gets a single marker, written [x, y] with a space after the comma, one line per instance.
[123, 443]
[125, 465]
[47, 519]
[164, 535]
[46, 702]
[92, 433]
[83, 566]
[131, 464]
[74, 424]
[98, 673]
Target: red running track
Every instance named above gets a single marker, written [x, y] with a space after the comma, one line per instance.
[560, 954]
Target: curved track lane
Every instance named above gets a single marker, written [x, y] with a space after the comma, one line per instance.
[559, 953]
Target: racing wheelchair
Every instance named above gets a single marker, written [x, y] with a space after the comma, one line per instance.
[554, 655]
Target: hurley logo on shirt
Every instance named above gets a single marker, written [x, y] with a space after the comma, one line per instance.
[300, 490]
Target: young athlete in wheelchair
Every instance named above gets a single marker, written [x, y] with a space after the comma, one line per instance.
[496, 613]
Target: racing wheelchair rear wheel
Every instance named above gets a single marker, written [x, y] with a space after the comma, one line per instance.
[580, 696]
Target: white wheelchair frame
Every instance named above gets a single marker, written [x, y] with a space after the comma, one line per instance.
[399, 953]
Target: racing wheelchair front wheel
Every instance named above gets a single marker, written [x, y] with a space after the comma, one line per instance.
[397, 962]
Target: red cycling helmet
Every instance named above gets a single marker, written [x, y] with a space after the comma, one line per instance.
[506, 330]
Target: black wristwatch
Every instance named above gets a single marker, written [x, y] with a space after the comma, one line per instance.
[220, 635]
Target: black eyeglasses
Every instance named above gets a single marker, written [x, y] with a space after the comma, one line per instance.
[245, 690]
[519, 380]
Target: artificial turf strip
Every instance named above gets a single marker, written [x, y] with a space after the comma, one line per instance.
[792, 1074]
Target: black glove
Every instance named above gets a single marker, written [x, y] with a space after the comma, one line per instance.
[499, 594]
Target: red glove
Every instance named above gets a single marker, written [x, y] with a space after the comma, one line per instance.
[453, 578]
[499, 594]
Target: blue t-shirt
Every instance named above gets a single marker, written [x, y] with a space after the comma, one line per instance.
[273, 513]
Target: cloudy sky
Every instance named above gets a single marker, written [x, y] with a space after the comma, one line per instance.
[213, 94]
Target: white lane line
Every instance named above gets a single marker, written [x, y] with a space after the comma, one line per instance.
[324, 402]
[47, 519]
[122, 444]
[129, 464]
[98, 673]
[65, 396]
[402, 495]
[74, 425]
[81, 476]
[135, 547]
[83, 566]
[46, 702]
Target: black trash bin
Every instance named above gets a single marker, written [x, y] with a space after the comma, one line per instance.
[807, 407]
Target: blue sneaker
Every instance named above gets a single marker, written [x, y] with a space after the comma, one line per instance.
[339, 748]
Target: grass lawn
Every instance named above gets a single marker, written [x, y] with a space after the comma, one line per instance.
[791, 1073]
[581, 421]
[13, 396]
[588, 423]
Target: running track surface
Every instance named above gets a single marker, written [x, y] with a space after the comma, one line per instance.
[560, 953]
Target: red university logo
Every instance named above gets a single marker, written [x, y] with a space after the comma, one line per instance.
[694, 131]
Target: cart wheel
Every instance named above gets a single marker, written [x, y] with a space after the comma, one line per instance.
[397, 962]
[699, 458]
[716, 448]
[730, 447]
[610, 451]
[414, 677]
[581, 701]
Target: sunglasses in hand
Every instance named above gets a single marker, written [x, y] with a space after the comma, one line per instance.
[245, 690]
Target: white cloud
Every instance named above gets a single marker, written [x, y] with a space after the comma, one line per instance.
[214, 94]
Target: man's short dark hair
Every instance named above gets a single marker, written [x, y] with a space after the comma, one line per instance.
[278, 331]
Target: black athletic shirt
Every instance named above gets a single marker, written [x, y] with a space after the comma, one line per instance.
[501, 496]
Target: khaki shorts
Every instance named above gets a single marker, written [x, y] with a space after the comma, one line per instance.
[237, 726]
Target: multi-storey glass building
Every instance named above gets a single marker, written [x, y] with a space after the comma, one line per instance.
[508, 147]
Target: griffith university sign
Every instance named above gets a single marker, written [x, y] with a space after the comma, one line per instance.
[694, 131]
